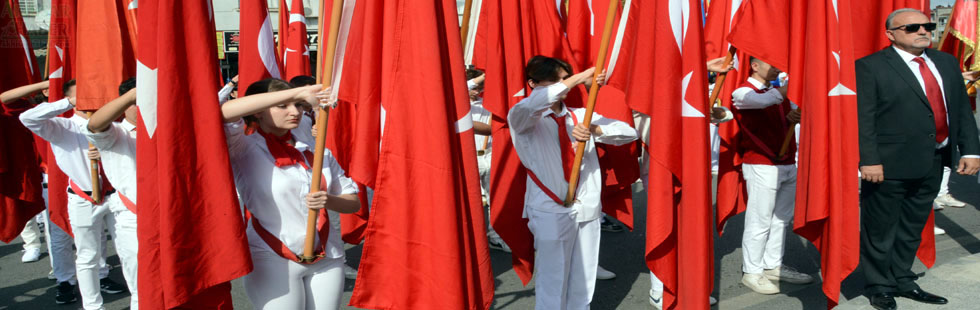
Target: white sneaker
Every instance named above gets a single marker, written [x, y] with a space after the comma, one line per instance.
[947, 200]
[759, 283]
[657, 299]
[31, 255]
[938, 231]
[787, 274]
[603, 274]
[51, 275]
[349, 272]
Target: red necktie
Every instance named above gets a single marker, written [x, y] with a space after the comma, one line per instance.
[565, 144]
[936, 101]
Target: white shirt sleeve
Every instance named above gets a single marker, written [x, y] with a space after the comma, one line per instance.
[339, 183]
[526, 113]
[614, 132]
[225, 93]
[43, 119]
[106, 139]
[747, 99]
[235, 136]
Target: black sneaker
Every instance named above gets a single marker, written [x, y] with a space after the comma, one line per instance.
[610, 225]
[111, 287]
[65, 294]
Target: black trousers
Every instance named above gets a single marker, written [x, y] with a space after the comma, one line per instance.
[893, 214]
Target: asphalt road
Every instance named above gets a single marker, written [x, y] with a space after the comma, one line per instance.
[24, 286]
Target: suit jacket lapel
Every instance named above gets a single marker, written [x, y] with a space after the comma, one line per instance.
[905, 73]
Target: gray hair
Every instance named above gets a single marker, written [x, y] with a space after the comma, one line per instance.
[888, 21]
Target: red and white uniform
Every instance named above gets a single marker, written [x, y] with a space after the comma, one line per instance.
[117, 147]
[769, 179]
[566, 239]
[88, 220]
[275, 194]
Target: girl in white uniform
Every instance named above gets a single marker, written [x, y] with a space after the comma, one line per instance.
[273, 173]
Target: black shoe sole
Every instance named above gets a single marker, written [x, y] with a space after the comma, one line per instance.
[65, 302]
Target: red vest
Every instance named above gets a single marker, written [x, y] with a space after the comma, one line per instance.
[763, 132]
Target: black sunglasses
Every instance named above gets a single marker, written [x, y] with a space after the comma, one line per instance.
[915, 27]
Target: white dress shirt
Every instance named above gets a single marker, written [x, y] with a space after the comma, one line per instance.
[480, 114]
[746, 98]
[276, 196]
[535, 138]
[67, 138]
[117, 146]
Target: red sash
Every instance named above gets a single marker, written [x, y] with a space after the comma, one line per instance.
[538, 182]
[106, 188]
[126, 202]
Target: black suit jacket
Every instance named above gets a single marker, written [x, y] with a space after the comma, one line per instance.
[895, 120]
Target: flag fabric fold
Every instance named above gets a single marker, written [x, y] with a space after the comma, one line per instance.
[671, 89]
[20, 170]
[109, 56]
[257, 57]
[436, 248]
[191, 231]
[296, 52]
[960, 36]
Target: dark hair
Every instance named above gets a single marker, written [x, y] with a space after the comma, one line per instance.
[264, 86]
[126, 85]
[267, 85]
[302, 80]
[545, 69]
[67, 85]
[472, 73]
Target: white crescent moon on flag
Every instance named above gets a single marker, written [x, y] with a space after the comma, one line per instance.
[146, 96]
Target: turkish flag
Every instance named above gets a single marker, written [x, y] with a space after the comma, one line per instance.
[731, 194]
[960, 36]
[820, 55]
[191, 231]
[619, 168]
[870, 37]
[257, 58]
[20, 170]
[283, 30]
[671, 88]
[354, 126]
[61, 68]
[425, 246]
[515, 31]
[109, 56]
[296, 55]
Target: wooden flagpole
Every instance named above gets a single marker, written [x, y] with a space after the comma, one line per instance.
[464, 28]
[325, 77]
[94, 165]
[720, 79]
[790, 133]
[600, 63]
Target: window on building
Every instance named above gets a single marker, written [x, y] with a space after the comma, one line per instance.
[28, 7]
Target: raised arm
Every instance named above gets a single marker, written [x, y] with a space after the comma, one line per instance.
[23, 91]
[102, 119]
[234, 110]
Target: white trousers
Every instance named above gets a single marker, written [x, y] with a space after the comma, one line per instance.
[567, 258]
[88, 223]
[772, 191]
[278, 283]
[31, 235]
[944, 185]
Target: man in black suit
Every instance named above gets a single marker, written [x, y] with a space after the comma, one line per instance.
[914, 118]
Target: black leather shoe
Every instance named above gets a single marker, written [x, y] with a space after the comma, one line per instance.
[923, 296]
[883, 301]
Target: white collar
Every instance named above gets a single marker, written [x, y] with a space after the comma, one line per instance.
[908, 57]
[758, 84]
